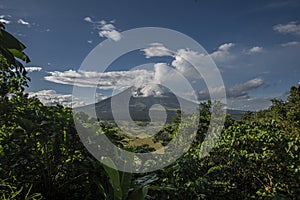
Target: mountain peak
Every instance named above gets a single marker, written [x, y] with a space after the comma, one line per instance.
[150, 90]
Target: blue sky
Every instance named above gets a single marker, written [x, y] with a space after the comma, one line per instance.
[255, 44]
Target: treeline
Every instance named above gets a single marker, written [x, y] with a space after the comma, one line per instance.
[256, 157]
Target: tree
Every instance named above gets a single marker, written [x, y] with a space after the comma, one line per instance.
[13, 75]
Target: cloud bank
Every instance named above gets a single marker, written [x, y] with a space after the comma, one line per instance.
[102, 80]
[51, 98]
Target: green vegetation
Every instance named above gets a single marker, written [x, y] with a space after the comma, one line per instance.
[42, 157]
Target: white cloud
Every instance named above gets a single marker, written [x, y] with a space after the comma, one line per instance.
[110, 34]
[51, 98]
[290, 28]
[105, 29]
[102, 80]
[226, 46]
[88, 19]
[255, 49]
[182, 63]
[33, 69]
[156, 49]
[150, 90]
[179, 82]
[23, 22]
[161, 72]
[103, 22]
[3, 20]
[90, 41]
[223, 54]
[288, 44]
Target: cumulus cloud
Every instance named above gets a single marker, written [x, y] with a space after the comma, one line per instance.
[161, 72]
[33, 69]
[105, 29]
[255, 49]
[182, 63]
[226, 46]
[110, 33]
[289, 44]
[102, 80]
[178, 82]
[223, 53]
[23, 22]
[290, 28]
[183, 58]
[187, 68]
[51, 98]
[239, 91]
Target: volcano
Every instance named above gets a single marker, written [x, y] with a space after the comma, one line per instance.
[138, 102]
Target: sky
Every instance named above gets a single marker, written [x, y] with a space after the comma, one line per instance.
[254, 44]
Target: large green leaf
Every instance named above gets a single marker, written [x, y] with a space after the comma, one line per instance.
[10, 42]
[11, 47]
[19, 54]
[114, 178]
[126, 178]
[125, 183]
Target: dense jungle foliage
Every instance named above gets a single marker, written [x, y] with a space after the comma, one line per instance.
[42, 157]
